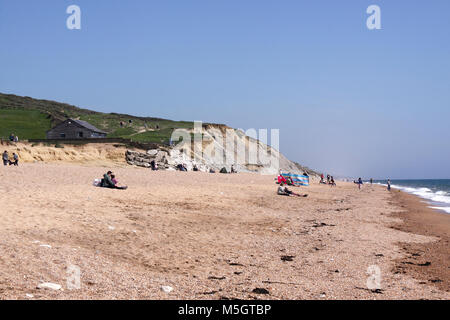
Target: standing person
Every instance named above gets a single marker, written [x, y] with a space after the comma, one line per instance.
[389, 184]
[16, 139]
[371, 181]
[11, 137]
[328, 179]
[359, 182]
[5, 158]
[332, 181]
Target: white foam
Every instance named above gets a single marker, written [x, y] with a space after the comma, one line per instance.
[446, 209]
[426, 193]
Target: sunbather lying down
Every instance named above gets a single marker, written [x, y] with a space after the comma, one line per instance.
[284, 191]
[109, 181]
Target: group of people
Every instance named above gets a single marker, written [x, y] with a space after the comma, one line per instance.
[283, 189]
[182, 167]
[109, 181]
[282, 180]
[330, 180]
[8, 161]
[13, 138]
[360, 182]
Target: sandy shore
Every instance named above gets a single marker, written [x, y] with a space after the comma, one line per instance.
[209, 236]
[429, 262]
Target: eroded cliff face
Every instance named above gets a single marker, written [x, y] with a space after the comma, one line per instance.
[215, 147]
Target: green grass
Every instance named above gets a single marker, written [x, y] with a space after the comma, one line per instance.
[159, 136]
[26, 124]
[122, 132]
[30, 118]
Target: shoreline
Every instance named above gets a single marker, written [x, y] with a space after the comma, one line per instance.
[427, 262]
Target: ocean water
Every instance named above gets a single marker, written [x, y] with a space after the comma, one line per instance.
[435, 192]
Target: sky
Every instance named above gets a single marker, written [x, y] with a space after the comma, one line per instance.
[348, 101]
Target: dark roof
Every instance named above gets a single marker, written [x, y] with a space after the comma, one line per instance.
[87, 125]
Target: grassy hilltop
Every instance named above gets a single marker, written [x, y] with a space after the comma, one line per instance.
[30, 118]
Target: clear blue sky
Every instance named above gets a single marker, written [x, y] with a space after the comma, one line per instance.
[347, 100]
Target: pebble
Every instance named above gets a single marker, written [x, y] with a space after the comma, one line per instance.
[28, 295]
[45, 245]
[166, 289]
[49, 285]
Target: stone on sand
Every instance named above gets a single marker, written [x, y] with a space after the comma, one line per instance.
[49, 285]
[166, 289]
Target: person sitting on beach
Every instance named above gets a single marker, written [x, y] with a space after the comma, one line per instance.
[15, 160]
[232, 170]
[114, 180]
[108, 182]
[195, 168]
[154, 165]
[281, 179]
[321, 179]
[284, 191]
[289, 181]
[5, 158]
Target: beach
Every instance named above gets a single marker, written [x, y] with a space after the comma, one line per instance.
[212, 236]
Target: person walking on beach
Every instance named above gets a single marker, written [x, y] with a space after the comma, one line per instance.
[359, 183]
[5, 158]
[332, 183]
[389, 184]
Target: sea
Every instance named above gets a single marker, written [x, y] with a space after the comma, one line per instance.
[434, 192]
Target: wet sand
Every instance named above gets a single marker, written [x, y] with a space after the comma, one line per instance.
[208, 236]
[428, 262]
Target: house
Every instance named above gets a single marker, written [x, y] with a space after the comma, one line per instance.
[75, 129]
